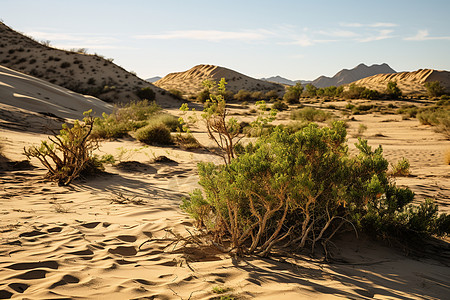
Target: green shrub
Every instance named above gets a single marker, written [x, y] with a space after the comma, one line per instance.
[310, 114]
[392, 90]
[176, 94]
[300, 189]
[124, 119]
[293, 93]
[186, 141]
[154, 134]
[203, 96]
[272, 94]
[171, 122]
[434, 88]
[146, 93]
[243, 95]
[401, 168]
[69, 153]
[279, 105]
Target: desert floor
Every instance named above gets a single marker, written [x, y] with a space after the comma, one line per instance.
[112, 237]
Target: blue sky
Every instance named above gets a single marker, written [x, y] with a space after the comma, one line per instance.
[294, 39]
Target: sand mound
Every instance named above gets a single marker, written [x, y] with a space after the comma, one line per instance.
[77, 71]
[408, 82]
[190, 82]
[29, 103]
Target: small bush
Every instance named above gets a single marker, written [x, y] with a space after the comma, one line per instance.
[434, 88]
[401, 168]
[392, 90]
[310, 114]
[154, 134]
[243, 95]
[293, 93]
[176, 94]
[279, 105]
[272, 94]
[438, 117]
[124, 119]
[65, 65]
[146, 93]
[186, 141]
[170, 121]
[69, 153]
[203, 96]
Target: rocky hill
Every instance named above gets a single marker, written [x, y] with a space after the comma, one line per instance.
[280, 80]
[77, 71]
[347, 76]
[190, 82]
[408, 82]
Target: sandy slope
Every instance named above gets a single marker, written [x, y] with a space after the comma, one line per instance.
[408, 82]
[77, 71]
[190, 82]
[79, 242]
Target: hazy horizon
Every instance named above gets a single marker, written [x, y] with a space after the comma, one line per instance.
[296, 40]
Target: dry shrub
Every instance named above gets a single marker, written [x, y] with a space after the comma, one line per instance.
[69, 153]
[154, 134]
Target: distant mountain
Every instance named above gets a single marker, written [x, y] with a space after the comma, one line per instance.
[408, 82]
[75, 70]
[282, 80]
[279, 79]
[153, 79]
[347, 76]
[190, 82]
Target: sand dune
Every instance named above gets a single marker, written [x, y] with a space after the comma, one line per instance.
[28, 103]
[408, 82]
[190, 82]
[77, 71]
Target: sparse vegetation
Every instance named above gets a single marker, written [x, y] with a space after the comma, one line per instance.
[310, 114]
[146, 93]
[434, 88]
[300, 189]
[392, 90]
[401, 168]
[127, 118]
[293, 93]
[279, 105]
[69, 153]
[154, 134]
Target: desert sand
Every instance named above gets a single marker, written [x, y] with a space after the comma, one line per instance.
[120, 235]
[408, 82]
[190, 82]
[112, 237]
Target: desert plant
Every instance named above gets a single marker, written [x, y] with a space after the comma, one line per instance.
[124, 119]
[69, 153]
[310, 114]
[243, 95]
[361, 129]
[310, 90]
[392, 90]
[154, 134]
[401, 168]
[279, 105]
[146, 93]
[170, 121]
[186, 141]
[301, 189]
[434, 88]
[272, 94]
[177, 94]
[293, 93]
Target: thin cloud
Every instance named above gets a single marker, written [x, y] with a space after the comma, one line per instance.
[339, 33]
[423, 35]
[372, 25]
[382, 35]
[209, 35]
[94, 39]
